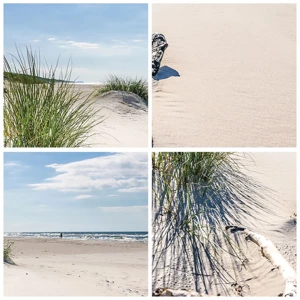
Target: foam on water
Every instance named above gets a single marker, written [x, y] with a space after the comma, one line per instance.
[115, 236]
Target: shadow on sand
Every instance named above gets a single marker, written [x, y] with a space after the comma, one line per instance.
[166, 72]
[178, 251]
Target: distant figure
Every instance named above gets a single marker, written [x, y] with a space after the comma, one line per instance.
[61, 235]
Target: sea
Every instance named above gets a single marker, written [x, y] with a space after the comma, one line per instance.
[125, 236]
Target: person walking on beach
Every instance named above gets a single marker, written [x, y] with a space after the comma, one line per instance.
[61, 235]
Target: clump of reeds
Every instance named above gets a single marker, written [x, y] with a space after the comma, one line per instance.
[136, 86]
[7, 251]
[195, 195]
[40, 111]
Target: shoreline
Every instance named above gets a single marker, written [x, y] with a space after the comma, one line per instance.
[61, 267]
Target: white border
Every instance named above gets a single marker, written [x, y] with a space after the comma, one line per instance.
[149, 148]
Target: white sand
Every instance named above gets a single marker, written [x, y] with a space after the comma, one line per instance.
[276, 172]
[237, 84]
[47, 267]
[125, 121]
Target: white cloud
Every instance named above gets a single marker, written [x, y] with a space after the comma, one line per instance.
[81, 45]
[127, 172]
[83, 197]
[130, 209]
[137, 41]
[112, 195]
[35, 41]
[85, 45]
[134, 189]
[12, 164]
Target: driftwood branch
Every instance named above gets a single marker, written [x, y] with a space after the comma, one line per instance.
[168, 292]
[269, 250]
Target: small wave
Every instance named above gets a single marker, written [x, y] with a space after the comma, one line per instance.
[108, 236]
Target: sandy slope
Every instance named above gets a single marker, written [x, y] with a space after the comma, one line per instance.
[76, 268]
[125, 120]
[176, 267]
[237, 84]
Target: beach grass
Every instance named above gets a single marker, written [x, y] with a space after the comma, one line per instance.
[40, 110]
[195, 196]
[117, 83]
[7, 251]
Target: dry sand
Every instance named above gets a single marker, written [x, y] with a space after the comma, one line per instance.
[237, 84]
[125, 121]
[177, 269]
[47, 267]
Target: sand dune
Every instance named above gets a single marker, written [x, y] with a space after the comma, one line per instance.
[48, 267]
[237, 76]
[125, 121]
[181, 266]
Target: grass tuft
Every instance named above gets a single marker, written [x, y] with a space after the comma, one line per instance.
[136, 86]
[195, 196]
[44, 113]
[7, 252]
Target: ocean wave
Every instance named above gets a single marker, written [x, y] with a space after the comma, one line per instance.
[115, 236]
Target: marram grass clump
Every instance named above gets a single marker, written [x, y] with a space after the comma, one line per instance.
[7, 252]
[47, 112]
[195, 196]
[136, 86]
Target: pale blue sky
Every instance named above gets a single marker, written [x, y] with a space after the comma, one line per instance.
[75, 191]
[101, 39]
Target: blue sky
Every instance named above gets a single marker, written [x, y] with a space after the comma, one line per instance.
[101, 39]
[46, 191]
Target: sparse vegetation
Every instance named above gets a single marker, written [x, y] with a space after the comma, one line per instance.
[7, 251]
[136, 86]
[195, 195]
[44, 113]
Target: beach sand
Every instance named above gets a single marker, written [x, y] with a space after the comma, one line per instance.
[175, 268]
[237, 83]
[125, 123]
[59, 267]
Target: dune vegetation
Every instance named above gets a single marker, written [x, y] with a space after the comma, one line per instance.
[7, 252]
[116, 83]
[195, 196]
[40, 110]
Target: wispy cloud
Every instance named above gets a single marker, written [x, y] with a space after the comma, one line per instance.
[113, 195]
[85, 45]
[81, 45]
[126, 172]
[127, 209]
[12, 164]
[134, 189]
[83, 197]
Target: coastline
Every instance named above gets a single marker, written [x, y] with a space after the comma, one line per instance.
[61, 267]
